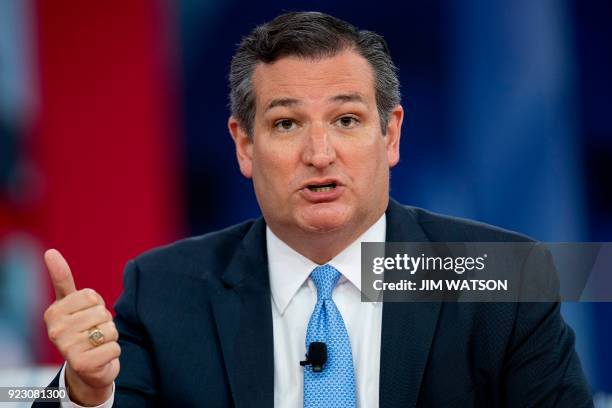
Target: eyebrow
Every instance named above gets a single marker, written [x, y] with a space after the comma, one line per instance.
[341, 98]
[351, 97]
[286, 102]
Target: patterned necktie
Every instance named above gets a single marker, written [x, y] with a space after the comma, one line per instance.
[335, 385]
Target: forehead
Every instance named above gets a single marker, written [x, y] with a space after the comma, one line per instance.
[311, 79]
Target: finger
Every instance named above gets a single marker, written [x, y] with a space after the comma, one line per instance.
[100, 298]
[109, 331]
[92, 360]
[84, 320]
[102, 355]
[79, 342]
[80, 300]
[60, 273]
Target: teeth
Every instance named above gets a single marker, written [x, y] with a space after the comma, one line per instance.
[321, 189]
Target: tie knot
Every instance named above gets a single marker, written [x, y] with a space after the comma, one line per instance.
[325, 278]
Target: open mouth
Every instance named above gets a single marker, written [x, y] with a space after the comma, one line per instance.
[321, 188]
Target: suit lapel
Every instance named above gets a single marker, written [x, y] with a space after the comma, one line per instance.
[243, 316]
[407, 328]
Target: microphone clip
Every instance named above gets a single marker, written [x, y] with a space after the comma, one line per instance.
[316, 356]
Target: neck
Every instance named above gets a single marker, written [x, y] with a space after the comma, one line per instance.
[322, 246]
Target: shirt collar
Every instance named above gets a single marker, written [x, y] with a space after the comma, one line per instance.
[289, 269]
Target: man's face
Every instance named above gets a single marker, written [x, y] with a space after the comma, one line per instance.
[318, 158]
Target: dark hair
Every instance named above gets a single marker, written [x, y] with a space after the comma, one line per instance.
[309, 35]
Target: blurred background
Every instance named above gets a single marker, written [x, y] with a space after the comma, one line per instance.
[113, 136]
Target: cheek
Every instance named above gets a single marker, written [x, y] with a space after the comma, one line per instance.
[272, 166]
[367, 163]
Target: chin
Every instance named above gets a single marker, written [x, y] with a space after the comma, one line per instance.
[324, 218]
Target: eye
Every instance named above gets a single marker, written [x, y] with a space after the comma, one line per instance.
[347, 122]
[285, 125]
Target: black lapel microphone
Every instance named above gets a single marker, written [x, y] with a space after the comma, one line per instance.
[316, 356]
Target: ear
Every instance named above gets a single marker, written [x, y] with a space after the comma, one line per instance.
[244, 146]
[392, 138]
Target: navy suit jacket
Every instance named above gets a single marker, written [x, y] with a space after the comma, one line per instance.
[195, 329]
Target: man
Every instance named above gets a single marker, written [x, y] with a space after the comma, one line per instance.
[224, 319]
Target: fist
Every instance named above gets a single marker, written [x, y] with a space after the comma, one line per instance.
[82, 329]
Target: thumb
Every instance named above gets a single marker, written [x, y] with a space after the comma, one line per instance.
[60, 274]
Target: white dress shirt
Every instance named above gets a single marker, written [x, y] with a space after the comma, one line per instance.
[294, 296]
[69, 404]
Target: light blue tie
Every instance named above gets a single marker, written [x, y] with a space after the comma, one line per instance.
[335, 385]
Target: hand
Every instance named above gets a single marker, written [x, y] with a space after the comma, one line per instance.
[90, 369]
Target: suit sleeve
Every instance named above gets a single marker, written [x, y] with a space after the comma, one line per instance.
[49, 404]
[136, 384]
[542, 368]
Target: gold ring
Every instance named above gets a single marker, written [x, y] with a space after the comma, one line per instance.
[95, 336]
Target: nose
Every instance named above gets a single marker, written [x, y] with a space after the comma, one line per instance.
[319, 151]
